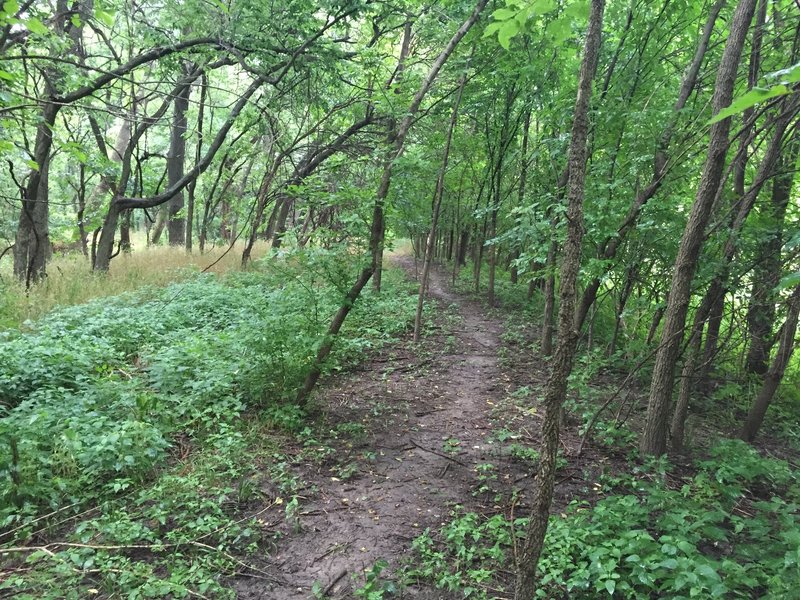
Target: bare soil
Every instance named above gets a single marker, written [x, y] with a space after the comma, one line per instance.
[429, 416]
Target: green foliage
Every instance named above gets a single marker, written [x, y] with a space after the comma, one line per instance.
[96, 398]
[783, 86]
[731, 530]
[375, 588]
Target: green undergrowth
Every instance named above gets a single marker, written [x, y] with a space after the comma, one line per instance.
[729, 531]
[133, 428]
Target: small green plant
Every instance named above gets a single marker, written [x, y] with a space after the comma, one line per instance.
[524, 454]
[487, 477]
[451, 445]
[375, 588]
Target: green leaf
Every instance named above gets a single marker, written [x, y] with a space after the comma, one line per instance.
[503, 14]
[492, 28]
[507, 31]
[10, 7]
[104, 17]
[75, 20]
[7, 76]
[611, 585]
[32, 164]
[578, 10]
[750, 99]
[786, 76]
[34, 25]
[559, 30]
[789, 281]
[541, 7]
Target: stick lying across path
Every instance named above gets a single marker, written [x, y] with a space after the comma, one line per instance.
[442, 454]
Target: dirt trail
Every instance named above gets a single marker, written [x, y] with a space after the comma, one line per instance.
[426, 432]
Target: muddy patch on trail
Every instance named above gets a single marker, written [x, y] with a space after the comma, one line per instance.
[420, 421]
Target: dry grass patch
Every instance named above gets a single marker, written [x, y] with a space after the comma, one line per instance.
[71, 281]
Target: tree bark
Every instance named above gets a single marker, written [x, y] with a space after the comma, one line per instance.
[176, 225]
[776, 370]
[654, 437]
[556, 387]
[437, 203]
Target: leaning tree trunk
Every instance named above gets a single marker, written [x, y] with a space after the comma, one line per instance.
[654, 437]
[775, 374]
[376, 232]
[556, 388]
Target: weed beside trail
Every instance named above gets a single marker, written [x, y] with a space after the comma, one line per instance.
[134, 428]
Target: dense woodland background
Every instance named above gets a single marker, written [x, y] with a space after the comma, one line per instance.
[619, 174]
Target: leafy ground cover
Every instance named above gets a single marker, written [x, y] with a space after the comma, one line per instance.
[137, 428]
[730, 530]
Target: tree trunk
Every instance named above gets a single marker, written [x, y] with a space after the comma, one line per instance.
[775, 373]
[176, 225]
[767, 273]
[549, 300]
[125, 232]
[556, 387]
[198, 153]
[654, 437]
[437, 203]
[32, 242]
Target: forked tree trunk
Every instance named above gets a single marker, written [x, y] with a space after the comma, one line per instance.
[775, 373]
[556, 387]
[654, 437]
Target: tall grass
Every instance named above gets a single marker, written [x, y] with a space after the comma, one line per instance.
[71, 281]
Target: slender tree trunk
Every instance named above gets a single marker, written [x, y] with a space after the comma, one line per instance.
[654, 437]
[198, 153]
[761, 310]
[176, 225]
[776, 370]
[437, 203]
[556, 387]
[405, 49]
[548, 322]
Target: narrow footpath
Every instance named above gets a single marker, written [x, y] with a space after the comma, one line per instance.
[426, 415]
